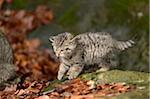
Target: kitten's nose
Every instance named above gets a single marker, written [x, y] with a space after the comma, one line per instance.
[58, 57]
[58, 54]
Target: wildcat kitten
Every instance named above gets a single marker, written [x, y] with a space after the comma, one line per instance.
[86, 49]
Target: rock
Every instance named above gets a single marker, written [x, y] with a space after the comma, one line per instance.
[7, 68]
[140, 79]
[117, 76]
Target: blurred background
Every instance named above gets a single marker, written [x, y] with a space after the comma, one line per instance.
[29, 23]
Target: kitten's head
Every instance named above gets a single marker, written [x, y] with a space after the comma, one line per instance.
[63, 44]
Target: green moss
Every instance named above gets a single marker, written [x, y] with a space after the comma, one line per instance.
[137, 94]
[121, 76]
[117, 76]
[20, 4]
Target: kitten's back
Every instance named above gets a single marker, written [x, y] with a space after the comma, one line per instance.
[100, 45]
[96, 45]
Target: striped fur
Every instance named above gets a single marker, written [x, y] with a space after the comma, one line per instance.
[121, 45]
[87, 49]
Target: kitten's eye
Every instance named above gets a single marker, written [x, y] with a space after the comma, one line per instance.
[67, 49]
[61, 50]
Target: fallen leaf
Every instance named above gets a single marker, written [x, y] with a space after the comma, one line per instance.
[43, 97]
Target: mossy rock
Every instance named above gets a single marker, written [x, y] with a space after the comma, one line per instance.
[117, 76]
[140, 79]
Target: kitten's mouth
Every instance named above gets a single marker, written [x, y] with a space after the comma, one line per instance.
[63, 56]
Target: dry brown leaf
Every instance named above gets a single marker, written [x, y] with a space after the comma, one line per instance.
[82, 96]
[10, 88]
[43, 97]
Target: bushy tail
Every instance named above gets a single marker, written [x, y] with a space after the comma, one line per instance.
[122, 45]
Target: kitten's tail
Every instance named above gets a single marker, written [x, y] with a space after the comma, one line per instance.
[122, 45]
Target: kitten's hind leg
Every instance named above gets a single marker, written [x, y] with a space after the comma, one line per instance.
[62, 70]
[74, 71]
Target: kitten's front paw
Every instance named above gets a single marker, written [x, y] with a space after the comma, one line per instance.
[74, 71]
[62, 70]
[59, 77]
[73, 75]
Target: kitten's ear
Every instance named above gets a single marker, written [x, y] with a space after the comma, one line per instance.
[51, 38]
[68, 35]
[74, 40]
